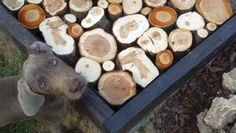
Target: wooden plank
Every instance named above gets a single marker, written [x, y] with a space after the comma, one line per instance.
[163, 86]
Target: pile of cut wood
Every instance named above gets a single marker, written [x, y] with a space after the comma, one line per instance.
[122, 44]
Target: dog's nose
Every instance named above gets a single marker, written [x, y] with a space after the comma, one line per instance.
[77, 85]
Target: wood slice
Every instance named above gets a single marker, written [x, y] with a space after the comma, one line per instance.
[108, 66]
[153, 40]
[134, 60]
[54, 33]
[155, 3]
[116, 87]
[199, 35]
[75, 30]
[164, 59]
[127, 29]
[114, 11]
[98, 45]
[31, 15]
[13, 5]
[80, 8]
[180, 40]
[54, 7]
[95, 15]
[115, 1]
[38, 2]
[146, 11]
[69, 18]
[162, 17]
[211, 27]
[132, 6]
[183, 5]
[191, 21]
[103, 4]
[90, 69]
[215, 11]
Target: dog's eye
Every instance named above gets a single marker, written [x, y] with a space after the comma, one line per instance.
[42, 84]
[52, 62]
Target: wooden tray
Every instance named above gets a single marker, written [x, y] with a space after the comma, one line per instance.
[122, 119]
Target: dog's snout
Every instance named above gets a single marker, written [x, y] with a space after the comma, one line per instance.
[77, 85]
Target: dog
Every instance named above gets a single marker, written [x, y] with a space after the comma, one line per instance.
[41, 90]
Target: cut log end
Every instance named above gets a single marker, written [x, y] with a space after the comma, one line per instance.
[146, 10]
[215, 11]
[88, 68]
[55, 35]
[155, 3]
[180, 40]
[94, 16]
[98, 45]
[164, 59]
[211, 27]
[75, 30]
[115, 1]
[31, 15]
[183, 5]
[117, 87]
[192, 21]
[162, 17]
[69, 18]
[35, 1]
[115, 11]
[127, 29]
[54, 7]
[108, 66]
[132, 6]
[80, 7]
[134, 60]
[202, 33]
[103, 4]
[153, 40]
[13, 5]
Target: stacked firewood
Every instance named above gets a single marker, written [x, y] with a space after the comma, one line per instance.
[122, 44]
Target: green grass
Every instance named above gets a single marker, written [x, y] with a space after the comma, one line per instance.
[11, 62]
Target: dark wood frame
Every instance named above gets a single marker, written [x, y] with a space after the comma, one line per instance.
[153, 95]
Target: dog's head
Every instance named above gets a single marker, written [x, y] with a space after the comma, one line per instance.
[45, 74]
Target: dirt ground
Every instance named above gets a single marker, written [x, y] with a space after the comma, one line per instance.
[176, 115]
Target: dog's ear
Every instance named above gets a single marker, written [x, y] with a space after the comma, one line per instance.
[30, 102]
[39, 48]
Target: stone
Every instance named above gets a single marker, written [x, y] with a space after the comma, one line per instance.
[221, 113]
[202, 127]
[229, 80]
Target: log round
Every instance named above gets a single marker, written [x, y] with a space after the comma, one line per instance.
[80, 7]
[54, 7]
[35, 1]
[135, 60]
[153, 40]
[90, 69]
[180, 40]
[54, 33]
[94, 15]
[98, 45]
[164, 59]
[114, 11]
[115, 1]
[163, 16]
[191, 21]
[127, 29]
[183, 5]
[155, 3]
[146, 10]
[108, 66]
[215, 11]
[211, 27]
[132, 6]
[69, 18]
[31, 15]
[103, 4]
[75, 30]
[116, 87]
[13, 5]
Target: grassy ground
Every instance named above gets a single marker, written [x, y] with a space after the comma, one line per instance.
[11, 61]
